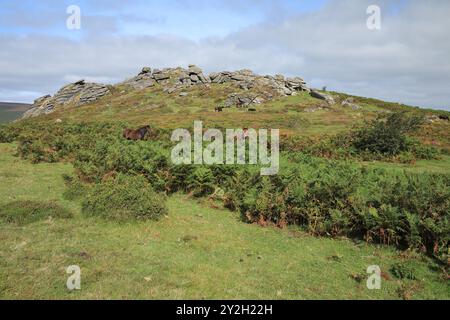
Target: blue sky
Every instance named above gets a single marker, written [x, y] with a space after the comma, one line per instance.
[324, 41]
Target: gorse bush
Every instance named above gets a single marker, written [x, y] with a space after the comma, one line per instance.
[23, 212]
[8, 134]
[387, 135]
[124, 198]
[116, 155]
[403, 271]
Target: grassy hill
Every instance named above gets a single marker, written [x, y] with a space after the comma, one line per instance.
[201, 250]
[12, 111]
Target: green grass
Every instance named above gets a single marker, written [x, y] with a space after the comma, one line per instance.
[23, 212]
[441, 165]
[195, 252]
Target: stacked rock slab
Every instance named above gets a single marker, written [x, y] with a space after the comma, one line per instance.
[143, 80]
[78, 93]
[43, 105]
[245, 79]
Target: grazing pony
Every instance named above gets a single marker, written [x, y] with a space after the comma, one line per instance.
[135, 135]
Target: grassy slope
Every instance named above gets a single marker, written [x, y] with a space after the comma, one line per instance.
[441, 165]
[196, 252]
[171, 111]
[289, 114]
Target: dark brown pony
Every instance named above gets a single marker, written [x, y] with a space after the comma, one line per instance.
[135, 135]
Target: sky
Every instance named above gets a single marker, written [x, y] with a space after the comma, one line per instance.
[326, 42]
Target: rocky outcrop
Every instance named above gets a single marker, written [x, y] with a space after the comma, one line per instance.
[170, 78]
[260, 88]
[177, 78]
[42, 105]
[247, 80]
[78, 93]
[177, 81]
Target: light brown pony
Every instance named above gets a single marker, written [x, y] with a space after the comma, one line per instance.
[136, 135]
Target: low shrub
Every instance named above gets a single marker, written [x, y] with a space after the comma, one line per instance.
[36, 151]
[8, 134]
[124, 198]
[425, 152]
[24, 212]
[403, 270]
[387, 135]
[200, 182]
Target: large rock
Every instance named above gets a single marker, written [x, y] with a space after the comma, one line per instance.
[92, 92]
[161, 76]
[296, 84]
[142, 81]
[242, 100]
[194, 78]
[43, 105]
[146, 70]
[193, 69]
[322, 96]
[350, 103]
[214, 75]
[238, 77]
[80, 93]
[204, 79]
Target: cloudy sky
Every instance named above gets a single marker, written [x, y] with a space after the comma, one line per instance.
[326, 42]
